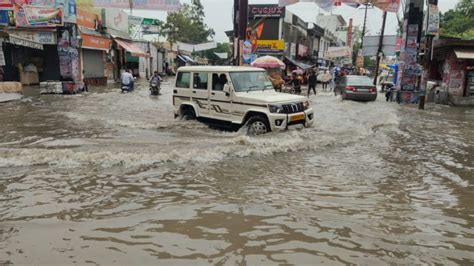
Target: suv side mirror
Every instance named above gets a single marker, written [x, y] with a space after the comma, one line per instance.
[226, 89]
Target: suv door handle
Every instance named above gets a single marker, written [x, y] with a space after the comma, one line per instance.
[213, 93]
[194, 91]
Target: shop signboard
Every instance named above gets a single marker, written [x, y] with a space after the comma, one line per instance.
[43, 37]
[266, 11]
[95, 42]
[163, 5]
[270, 46]
[6, 4]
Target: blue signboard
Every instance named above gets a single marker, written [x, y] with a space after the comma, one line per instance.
[6, 17]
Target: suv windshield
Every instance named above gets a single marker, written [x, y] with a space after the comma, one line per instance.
[250, 81]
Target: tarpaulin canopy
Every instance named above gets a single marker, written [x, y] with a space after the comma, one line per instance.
[130, 47]
[299, 63]
[222, 55]
[464, 53]
[185, 58]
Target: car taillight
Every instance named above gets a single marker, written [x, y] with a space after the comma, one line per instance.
[373, 89]
[350, 88]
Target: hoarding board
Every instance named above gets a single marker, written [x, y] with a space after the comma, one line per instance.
[371, 45]
[163, 5]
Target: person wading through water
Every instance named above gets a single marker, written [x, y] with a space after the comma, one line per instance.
[312, 81]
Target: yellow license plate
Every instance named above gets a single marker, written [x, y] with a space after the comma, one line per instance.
[297, 117]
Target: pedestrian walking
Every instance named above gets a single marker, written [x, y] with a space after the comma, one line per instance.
[325, 79]
[312, 81]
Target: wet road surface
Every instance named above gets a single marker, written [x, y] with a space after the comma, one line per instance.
[105, 177]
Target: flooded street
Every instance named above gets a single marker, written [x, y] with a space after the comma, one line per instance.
[105, 177]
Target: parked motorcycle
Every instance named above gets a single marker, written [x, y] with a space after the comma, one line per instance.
[155, 88]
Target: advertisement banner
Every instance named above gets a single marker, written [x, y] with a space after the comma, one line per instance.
[163, 5]
[116, 19]
[6, 18]
[8, 4]
[270, 46]
[433, 21]
[266, 11]
[302, 50]
[43, 16]
[95, 42]
[247, 55]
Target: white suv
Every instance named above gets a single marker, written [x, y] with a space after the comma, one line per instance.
[236, 97]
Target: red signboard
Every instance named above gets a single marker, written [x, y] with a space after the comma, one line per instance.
[7, 4]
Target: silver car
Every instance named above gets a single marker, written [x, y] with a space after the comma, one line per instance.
[360, 88]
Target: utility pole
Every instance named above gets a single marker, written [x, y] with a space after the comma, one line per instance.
[379, 52]
[240, 27]
[365, 22]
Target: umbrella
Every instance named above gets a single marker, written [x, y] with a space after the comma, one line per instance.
[268, 62]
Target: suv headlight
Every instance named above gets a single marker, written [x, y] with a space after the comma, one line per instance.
[306, 105]
[275, 108]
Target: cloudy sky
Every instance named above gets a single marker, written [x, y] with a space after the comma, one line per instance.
[219, 15]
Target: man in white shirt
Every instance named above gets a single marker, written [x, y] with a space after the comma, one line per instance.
[127, 79]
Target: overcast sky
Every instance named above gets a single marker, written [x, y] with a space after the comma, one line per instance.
[219, 15]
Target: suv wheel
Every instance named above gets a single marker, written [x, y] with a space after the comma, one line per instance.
[188, 114]
[257, 125]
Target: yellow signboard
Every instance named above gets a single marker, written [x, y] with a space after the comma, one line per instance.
[270, 45]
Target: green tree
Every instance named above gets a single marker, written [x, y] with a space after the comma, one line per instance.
[187, 25]
[459, 22]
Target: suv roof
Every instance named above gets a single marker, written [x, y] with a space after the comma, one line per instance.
[219, 68]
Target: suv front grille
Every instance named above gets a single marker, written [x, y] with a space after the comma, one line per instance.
[293, 108]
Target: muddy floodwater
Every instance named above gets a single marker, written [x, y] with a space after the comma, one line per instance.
[105, 178]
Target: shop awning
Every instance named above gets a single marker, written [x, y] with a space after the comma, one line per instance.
[130, 47]
[299, 64]
[464, 53]
[13, 39]
[189, 59]
[185, 58]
